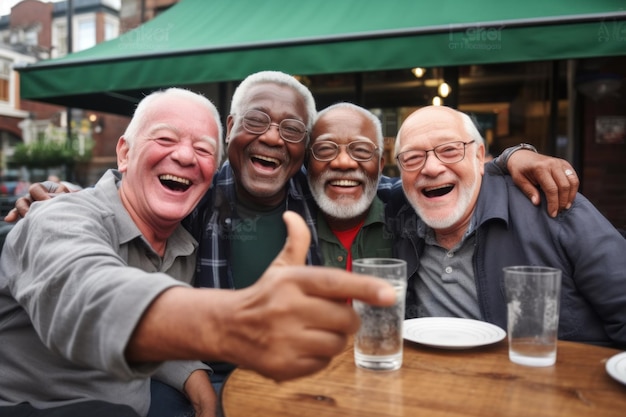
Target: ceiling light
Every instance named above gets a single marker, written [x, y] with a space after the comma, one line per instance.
[437, 101]
[418, 72]
[444, 89]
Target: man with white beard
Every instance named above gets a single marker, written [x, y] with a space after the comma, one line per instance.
[345, 163]
[466, 221]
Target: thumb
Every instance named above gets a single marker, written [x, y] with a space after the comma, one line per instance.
[297, 243]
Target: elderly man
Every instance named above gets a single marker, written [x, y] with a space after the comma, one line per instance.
[90, 312]
[344, 170]
[267, 132]
[478, 222]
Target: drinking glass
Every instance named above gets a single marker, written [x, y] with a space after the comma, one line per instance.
[378, 342]
[533, 295]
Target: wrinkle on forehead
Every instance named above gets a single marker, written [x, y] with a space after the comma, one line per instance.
[344, 124]
[277, 101]
[439, 124]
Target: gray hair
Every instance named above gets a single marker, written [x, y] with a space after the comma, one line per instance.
[366, 113]
[133, 128]
[469, 127]
[240, 95]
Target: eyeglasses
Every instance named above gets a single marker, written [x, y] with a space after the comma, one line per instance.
[448, 153]
[360, 150]
[290, 130]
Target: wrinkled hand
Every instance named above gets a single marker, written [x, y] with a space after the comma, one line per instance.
[38, 191]
[530, 170]
[295, 319]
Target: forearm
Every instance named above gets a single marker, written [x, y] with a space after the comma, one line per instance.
[289, 324]
[181, 323]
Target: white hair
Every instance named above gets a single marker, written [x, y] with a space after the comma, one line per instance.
[133, 128]
[358, 109]
[240, 95]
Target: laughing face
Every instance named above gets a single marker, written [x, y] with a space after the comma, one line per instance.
[343, 187]
[171, 162]
[443, 195]
[263, 164]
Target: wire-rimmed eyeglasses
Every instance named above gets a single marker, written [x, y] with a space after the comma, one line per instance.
[258, 122]
[448, 153]
[359, 150]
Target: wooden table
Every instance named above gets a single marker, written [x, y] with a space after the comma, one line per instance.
[436, 382]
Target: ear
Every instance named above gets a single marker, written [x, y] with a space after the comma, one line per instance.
[382, 164]
[230, 122]
[480, 155]
[122, 150]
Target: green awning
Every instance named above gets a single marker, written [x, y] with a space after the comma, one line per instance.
[207, 41]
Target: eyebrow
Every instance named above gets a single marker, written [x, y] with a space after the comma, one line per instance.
[166, 126]
[329, 136]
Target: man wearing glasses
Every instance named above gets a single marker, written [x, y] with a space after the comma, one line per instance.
[344, 169]
[473, 218]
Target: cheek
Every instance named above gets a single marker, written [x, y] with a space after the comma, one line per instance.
[296, 154]
[315, 168]
[408, 182]
[371, 169]
[208, 167]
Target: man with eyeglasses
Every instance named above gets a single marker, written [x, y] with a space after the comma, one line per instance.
[468, 221]
[344, 169]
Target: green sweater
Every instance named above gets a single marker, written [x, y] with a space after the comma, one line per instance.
[372, 241]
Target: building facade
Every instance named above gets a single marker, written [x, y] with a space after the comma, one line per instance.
[36, 31]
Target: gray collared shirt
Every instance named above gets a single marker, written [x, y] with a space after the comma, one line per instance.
[446, 287]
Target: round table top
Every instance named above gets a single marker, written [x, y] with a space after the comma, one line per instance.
[432, 382]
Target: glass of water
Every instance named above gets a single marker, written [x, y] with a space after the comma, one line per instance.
[378, 342]
[533, 296]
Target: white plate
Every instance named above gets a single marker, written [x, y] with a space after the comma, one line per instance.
[616, 367]
[451, 332]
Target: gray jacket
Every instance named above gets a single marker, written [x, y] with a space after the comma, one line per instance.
[69, 303]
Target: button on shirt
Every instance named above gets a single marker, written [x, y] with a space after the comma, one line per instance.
[446, 287]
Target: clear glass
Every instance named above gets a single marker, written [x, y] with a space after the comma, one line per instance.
[533, 298]
[378, 342]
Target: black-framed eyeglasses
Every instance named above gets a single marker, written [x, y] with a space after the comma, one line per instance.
[258, 122]
[359, 150]
[448, 153]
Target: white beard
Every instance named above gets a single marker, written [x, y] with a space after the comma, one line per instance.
[346, 207]
[465, 199]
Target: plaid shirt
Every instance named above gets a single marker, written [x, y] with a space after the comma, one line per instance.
[211, 221]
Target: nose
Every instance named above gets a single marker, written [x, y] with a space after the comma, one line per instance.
[272, 135]
[432, 165]
[184, 154]
[343, 160]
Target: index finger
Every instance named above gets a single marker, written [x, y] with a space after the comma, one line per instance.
[334, 283]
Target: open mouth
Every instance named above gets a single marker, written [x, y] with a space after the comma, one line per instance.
[175, 183]
[437, 191]
[265, 161]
